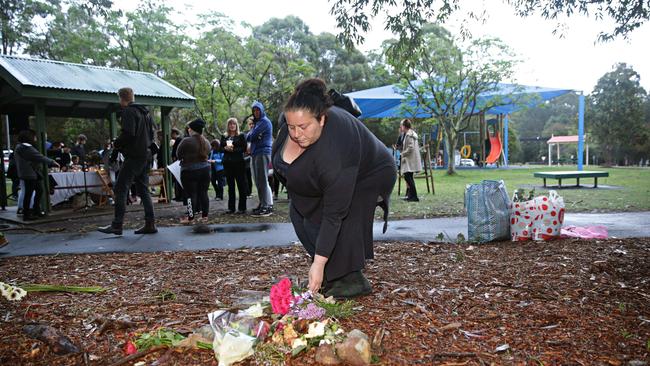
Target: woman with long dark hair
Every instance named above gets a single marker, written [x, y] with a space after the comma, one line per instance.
[193, 152]
[233, 145]
[336, 172]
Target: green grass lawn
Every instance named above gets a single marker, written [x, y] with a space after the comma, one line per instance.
[626, 189]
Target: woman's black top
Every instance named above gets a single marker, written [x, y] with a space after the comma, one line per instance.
[239, 146]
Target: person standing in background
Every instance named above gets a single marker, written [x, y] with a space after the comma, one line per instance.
[217, 177]
[79, 149]
[261, 140]
[134, 143]
[411, 160]
[233, 145]
[193, 152]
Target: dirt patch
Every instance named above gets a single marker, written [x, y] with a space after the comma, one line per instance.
[566, 302]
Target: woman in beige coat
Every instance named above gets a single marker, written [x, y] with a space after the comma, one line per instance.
[411, 161]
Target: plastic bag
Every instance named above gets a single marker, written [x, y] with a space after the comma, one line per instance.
[235, 334]
[549, 217]
[487, 205]
[589, 232]
[521, 219]
[539, 219]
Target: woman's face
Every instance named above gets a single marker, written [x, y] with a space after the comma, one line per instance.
[232, 127]
[304, 128]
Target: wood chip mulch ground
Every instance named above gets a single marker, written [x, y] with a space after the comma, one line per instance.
[567, 302]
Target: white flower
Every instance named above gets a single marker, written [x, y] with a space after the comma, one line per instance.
[17, 294]
[255, 311]
[298, 342]
[12, 293]
[316, 329]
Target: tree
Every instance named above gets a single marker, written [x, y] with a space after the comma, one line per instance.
[616, 114]
[18, 19]
[406, 18]
[76, 35]
[146, 39]
[445, 81]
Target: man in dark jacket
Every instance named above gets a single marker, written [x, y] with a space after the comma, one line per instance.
[28, 165]
[134, 143]
[79, 149]
[261, 140]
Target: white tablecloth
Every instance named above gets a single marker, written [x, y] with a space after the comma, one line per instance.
[74, 179]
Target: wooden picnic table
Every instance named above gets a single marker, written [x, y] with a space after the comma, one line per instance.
[571, 174]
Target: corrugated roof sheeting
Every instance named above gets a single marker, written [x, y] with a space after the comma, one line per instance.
[63, 75]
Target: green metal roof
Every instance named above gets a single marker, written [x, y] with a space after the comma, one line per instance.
[30, 73]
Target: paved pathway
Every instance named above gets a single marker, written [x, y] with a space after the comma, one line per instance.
[620, 225]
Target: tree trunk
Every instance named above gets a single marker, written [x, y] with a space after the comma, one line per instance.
[450, 149]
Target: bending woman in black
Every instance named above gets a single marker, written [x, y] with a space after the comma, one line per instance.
[336, 172]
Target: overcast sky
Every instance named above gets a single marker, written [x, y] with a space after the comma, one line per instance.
[575, 61]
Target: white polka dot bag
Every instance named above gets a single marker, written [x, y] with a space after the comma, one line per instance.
[521, 219]
[549, 217]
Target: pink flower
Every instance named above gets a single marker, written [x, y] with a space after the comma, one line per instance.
[281, 296]
[130, 348]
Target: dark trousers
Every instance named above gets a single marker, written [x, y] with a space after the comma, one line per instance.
[218, 181]
[274, 182]
[411, 191]
[31, 186]
[249, 181]
[306, 230]
[236, 173]
[134, 171]
[195, 184]
[15, 186]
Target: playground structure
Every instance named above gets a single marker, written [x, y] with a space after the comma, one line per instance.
[489, 145]
[388, 102]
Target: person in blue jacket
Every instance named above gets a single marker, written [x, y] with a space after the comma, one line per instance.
[218, 176]
[261, 140]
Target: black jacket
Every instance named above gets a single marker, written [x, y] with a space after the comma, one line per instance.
[28, 162]
[239, 146]
[137, 132]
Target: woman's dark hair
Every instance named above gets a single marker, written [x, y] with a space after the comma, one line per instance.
[204, 151]
[215, 143]
[406, 123]
[26, 136]
[310, 95]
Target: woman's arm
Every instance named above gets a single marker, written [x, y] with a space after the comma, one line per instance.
[407, 147]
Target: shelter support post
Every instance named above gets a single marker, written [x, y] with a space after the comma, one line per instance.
[549, 155]
[39, 113]
[587, 155]
[581, 129]
[7, 133]
[505, 140]
[3, 180]
[166, 150]
[557, 148]
[482, 131]
[112, 121]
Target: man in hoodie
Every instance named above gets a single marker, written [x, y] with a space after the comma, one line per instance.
[260, 138]
[134, 143]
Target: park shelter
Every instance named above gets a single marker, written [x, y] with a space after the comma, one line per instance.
[44, 88]
[559, 140]
[389, 101]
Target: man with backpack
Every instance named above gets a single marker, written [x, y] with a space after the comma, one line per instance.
[135, 142]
